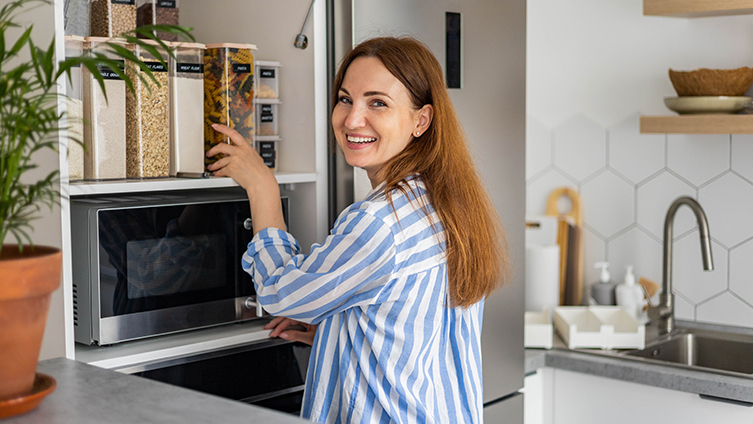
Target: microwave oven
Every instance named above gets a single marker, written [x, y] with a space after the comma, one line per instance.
[158, 263]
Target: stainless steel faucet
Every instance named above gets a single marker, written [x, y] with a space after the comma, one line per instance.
[664, 311]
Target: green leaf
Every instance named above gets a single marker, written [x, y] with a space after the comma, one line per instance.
[21, 41]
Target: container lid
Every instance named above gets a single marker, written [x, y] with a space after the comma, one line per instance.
[75, 38]
[182, 45]
[268, 63]
[105, 40]
[232, 46]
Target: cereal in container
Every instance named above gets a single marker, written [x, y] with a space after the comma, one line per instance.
[148, 116]
[228, 92]
[111, 18]
[76, 17]
[159, 12]
[105, 129]
[187, 108]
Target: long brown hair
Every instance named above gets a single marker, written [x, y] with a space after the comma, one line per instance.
[476, 249]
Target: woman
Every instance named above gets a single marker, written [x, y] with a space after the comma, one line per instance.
[397, 289]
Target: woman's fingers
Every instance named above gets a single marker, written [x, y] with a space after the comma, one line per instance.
[282, 326]
[299, 336]
[272, 324]
[234, 135]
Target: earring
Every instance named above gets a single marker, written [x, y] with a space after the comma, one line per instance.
[418, 133]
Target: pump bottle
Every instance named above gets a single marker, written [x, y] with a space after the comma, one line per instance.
[603, 291]
[629, 295]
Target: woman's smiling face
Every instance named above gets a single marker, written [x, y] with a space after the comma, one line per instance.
[374, 118]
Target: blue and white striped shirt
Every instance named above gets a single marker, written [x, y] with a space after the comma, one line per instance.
[387, 349]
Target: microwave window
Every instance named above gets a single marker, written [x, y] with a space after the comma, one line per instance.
[172, 265]
[162, 257]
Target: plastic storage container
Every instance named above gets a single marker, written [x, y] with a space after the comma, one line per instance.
[228, 92]
[267, 79]
[111, 18]
[76, 17]
[148, 118]
[187, 108]
[74, 47]
[159, 12]
[105, 133]
[266, 119]
[605, 327]
[268, 151]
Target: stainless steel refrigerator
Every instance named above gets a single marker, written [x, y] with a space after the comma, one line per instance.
[482, 44]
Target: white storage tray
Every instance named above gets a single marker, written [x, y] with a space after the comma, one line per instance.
[604, 327]
[538, 329]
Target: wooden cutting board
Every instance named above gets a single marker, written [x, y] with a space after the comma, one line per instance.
[571, 249]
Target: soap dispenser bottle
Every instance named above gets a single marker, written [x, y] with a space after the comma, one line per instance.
[629, 295]
[603, 291]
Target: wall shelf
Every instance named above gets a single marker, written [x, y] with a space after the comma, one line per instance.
[697, 8]
[697, 124]
[164, 184]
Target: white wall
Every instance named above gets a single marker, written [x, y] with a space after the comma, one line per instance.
[592, 68]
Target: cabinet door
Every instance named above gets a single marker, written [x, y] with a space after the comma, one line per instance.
[581, 398]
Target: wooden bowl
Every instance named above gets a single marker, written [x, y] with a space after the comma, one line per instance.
[712, 82]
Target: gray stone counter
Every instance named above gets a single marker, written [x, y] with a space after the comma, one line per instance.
[88, 394]
[636, 371]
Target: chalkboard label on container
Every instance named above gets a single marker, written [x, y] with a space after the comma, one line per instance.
[167, 3]
[191, 68]
[108, 73]
[156, 66]
[242, 68]
[266, 73]
[123, 1]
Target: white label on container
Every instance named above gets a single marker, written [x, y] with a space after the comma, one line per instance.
[167, 3]
[191, 68]
[123, 1]
[242, 68]
[266, 73]
[156, 66]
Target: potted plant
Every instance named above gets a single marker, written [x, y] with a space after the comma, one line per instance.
[30, 122]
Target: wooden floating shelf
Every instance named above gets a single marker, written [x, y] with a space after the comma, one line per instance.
[697, 124]
[697, 8]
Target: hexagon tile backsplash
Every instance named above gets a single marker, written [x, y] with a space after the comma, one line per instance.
[627, 181]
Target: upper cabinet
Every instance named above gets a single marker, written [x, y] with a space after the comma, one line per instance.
[697, 8]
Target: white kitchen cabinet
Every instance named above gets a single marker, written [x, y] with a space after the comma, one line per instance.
[565, 397]
[302, 156]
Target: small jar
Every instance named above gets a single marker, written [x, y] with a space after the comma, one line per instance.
[267, 79]
[74, 114]
[268, 151]
[104, 135]
[159, 12]
[228, 92]
[187, 108]
[266, 117]
[148, 116]
[111, 18]
[76, 17]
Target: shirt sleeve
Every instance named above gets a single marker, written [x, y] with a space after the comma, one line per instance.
[351, 268]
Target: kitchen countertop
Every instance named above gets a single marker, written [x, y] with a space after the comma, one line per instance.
[613, 366]
[88, 394]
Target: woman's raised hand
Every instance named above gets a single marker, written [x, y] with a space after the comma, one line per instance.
[247, 168]
[240, 161]
[281, 327]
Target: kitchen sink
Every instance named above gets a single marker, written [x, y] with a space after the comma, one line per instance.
[721, 353]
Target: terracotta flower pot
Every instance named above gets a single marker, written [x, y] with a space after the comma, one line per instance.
[26, 283]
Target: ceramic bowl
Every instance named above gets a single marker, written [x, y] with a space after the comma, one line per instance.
[707, 104]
